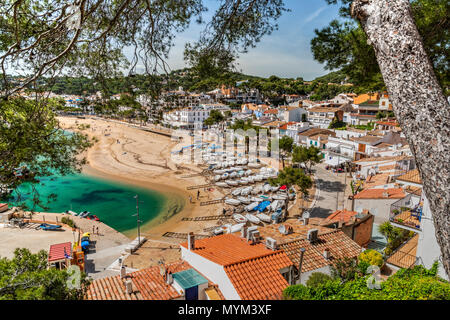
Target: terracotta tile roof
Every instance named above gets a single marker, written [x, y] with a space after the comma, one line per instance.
[367, 139]
[376, 180]
[259, 278]
[414, 190]
[340, 215]
[299, 231]
[388, 123]
[148, 284]
[57, 251]
[324, 109]
[284, 126]
[411, 176]
[392, 193]
[315, 131]
[253, 269]
[405, 256]
[339, 244]
[271, 111]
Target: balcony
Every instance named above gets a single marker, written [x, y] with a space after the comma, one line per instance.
[404, 214]
[405, 255]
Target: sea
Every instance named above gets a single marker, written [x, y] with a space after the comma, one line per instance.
[113, 202]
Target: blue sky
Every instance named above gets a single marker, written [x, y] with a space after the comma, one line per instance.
[284, 53]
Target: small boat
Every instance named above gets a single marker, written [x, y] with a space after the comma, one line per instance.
[262, 206]
[232, 202]
[236, 192]
[241, 173]
[239, 218]
[254, 165]
[233, 175]
[257, 189]
[222, 184]
[258, 178]
[244, 200]
[252, 218]
[250, 179]
[274, 205]
[279, 196]
[274, 189]
[220, 230]
[84, 214]
[47, 227]
[257, 199]
[266, 188]
[243, 181]
[236, 227]
[218, 177]
[232, 183]
[225, 176]
[263, 217]
[93, 217]
[71, 213]
[248, 172]
[246, 191]
[251, 206]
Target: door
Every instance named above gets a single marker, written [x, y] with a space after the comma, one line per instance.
[192, 293]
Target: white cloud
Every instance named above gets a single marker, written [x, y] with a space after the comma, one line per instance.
[315, 14]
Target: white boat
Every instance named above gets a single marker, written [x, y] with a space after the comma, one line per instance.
[264, 217]
[279, 196]
[258, 178]
[233, 175]
[274, 205]
[241, 173]
[266, 188]
[236, 227]
[251, 206]
[232, 202]
[222, 184]
[236, 192]
[239, 218]
[274, 189]
[243, 182]
[252, 218]
[218, 177]
[257, 199]
[71, 212]
[220, 230]
[225, 176]
[232, 183]
[248, 172]
[221, 171]
[244, 200]
[246, 191]
[254, 165]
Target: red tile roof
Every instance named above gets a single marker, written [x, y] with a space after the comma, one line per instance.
[337, 242]
[341, 215]
[411, 176]
[56, 251]
[148, 284]
[253, 269]
[391, 193]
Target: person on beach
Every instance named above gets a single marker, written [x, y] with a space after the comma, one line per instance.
[198, 194]
[190, 199]
[93, 229]
[224, 211]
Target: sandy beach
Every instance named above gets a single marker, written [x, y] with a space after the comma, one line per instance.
[133, 156]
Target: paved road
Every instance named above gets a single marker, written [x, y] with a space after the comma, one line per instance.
[331, 186]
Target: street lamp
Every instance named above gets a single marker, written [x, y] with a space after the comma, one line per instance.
[137, 219]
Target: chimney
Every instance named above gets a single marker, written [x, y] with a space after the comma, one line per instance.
[305, 221]
[312, 235]
[169, 278]
[123, 272]
[129, 286]
[244, 232]
[326, 253]
[191, 241]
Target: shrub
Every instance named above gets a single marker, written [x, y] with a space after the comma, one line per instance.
[317, 278]
[372, 257]
[68, 221]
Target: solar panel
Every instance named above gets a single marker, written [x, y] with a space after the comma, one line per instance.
[189, 278]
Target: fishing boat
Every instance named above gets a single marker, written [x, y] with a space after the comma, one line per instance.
[232, 183]
[222, 184]
[218, 177]
[257, 189]
[252, 218]
[248, 172]
[262, 206]
[236, 192]
[236, 227]
[84, 214]
[274, 189]
[239, 218]
[225, 176]
[244, 200]
[258, 178]
[274, 205]
[266, 188]
[71, 213]
[232, 202]
[263, 217]
[241, 173]
[254, 165]
[246, 191]
[251, 206]
[279, 196]
[257, 199]
[48, 227]
[233, 175]
[243, 182]
[220, 230]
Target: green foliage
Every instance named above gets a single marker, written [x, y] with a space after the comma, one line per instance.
[293, 177]
[417, 283]
[68, 221]
[26, 277]
[342, 45]
[307, 156]
[395, 236]
[372, 257]
[215, 116]
[317, 278]
[30, 138]
[336, 123]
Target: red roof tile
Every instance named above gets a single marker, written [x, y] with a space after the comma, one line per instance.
[57, 251]
[391, 193]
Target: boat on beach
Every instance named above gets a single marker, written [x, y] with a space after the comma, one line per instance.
[244, 200]
[266, 188]
[232, 202]
[222, 184]
[84, 214]
[264, 217]
[236, 227]
[232, 183]
[239, 218]
[252, 218]
[236, 192]
[71, 213]
[251, 206]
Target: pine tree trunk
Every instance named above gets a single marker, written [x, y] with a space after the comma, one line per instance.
[418, 101]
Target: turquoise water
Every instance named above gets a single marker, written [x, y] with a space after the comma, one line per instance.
[112, 202]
